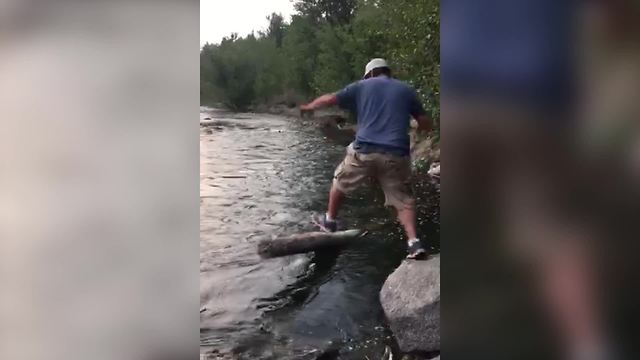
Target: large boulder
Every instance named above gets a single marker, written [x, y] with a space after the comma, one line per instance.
[410, 298]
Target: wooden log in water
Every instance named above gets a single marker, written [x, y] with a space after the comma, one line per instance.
[305, 242]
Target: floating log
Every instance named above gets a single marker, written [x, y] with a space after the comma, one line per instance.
[305, 242]
[207, 122]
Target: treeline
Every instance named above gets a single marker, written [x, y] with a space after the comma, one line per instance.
[323, 48]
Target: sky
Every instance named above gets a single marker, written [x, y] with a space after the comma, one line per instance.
[219, 18]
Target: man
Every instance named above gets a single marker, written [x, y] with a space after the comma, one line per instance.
[384, 107]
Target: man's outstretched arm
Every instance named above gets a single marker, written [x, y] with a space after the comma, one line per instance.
[322, 101]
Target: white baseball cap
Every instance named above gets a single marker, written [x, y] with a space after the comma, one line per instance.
[374, 64]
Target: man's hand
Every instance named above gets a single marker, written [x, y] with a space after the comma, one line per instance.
[424, 123]
[322, 101]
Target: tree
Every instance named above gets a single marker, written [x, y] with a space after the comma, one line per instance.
[276, 28]
[369, 37]
[227, 74]
[335, 12]
[414, 46]
[301, 51]
[334, 60]
[270, 67]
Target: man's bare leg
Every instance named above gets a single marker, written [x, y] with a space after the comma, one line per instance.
[569, 288]
[335, 200]
[407, 218]
[561, 255]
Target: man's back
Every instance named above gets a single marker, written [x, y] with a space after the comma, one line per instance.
[383, 107]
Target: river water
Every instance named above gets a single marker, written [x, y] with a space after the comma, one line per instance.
[263, 175]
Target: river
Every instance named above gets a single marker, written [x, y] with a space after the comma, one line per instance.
[263, 175]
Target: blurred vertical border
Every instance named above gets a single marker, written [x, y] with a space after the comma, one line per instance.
[99, 179]
[540, 171]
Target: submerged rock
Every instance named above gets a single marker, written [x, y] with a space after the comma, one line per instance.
[410, 298]
[333, 121]
[306, 113]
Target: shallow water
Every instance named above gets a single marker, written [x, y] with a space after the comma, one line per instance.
[263, 175]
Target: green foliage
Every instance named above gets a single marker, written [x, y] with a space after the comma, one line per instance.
[228, 73]
[323, 48]
[368, 36]
[333, 12]
[270, 68]
[334, 60]
[300, 48]
[414, 47]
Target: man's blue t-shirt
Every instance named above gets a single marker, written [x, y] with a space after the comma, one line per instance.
[517, 50]
[383, 107]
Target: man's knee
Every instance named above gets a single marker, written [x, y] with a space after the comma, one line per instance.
[401, 202]
[408, 203]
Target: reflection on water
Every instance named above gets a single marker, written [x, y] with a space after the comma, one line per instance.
[262, 175]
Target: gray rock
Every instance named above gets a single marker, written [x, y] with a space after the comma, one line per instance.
[410, 298]
[434, 170]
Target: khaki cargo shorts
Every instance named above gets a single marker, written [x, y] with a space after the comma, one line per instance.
[393, 173]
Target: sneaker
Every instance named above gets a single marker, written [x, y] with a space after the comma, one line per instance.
[320, 220]
[416, 251]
